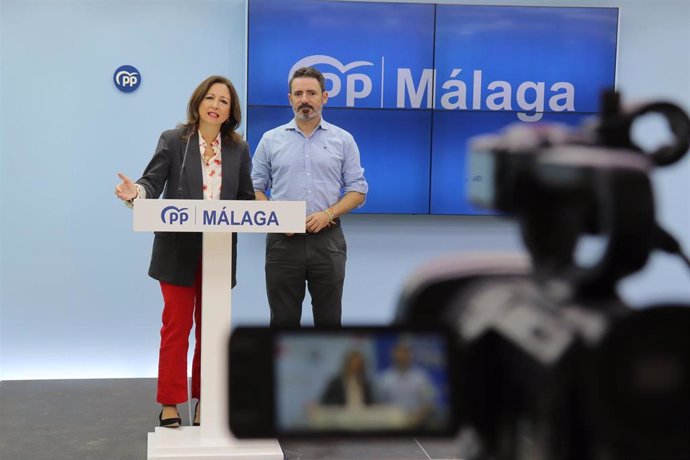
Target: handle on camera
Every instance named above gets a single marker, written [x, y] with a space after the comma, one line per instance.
[615, 127]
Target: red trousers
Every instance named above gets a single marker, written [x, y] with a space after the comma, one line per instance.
[182, 309]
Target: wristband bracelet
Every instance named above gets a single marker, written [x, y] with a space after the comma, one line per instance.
[130, 203]
[330, 214]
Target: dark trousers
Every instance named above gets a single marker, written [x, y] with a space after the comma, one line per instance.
[315, 260]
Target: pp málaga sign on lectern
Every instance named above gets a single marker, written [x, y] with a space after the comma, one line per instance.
[217, 220]
[219, 216]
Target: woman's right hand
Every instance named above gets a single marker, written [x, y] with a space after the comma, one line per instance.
[126, 190]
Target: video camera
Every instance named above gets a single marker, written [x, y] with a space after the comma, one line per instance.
[531, 357]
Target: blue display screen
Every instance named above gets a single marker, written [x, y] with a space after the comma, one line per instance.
[358, 47]
[413, 82]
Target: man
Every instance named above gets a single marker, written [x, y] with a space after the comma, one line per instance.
[308, 160]
[407, 387]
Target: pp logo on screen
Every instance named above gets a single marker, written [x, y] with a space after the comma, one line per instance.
[357, 85]
[127, 78]
[173, 215]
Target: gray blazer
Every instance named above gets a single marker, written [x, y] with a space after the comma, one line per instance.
[176, 255]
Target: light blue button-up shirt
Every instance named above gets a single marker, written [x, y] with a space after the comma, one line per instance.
[317, 169]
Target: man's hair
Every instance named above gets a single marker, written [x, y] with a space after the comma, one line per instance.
[308, 72]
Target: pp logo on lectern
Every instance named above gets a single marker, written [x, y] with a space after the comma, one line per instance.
[173, 215]
[127, 78]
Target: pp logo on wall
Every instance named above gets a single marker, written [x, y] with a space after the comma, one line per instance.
[127, 78]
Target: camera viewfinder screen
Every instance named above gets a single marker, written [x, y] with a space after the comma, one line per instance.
[362, 382]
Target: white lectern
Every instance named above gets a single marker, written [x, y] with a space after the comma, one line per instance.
[217, 220]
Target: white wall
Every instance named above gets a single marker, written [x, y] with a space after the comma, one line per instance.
[75, 300]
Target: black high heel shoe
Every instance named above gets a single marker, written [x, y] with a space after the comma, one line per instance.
[196, 411]
[173, 422]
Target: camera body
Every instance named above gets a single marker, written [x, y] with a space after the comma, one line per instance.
[547, 362]
[541, 378]
[554, 364]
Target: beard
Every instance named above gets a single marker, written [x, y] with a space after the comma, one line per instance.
[303, 115]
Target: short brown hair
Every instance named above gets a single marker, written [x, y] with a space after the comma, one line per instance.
[228, 128]
[308, 72]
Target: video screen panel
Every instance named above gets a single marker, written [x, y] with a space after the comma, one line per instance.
[413, 82]
[404, 133]
[451, 177]
[357, 45]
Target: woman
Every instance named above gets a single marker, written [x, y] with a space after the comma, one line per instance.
[350, 388]
[203, 158]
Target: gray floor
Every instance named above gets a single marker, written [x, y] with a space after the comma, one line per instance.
[109, 419]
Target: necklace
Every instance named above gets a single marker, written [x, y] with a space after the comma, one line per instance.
[208, 153]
